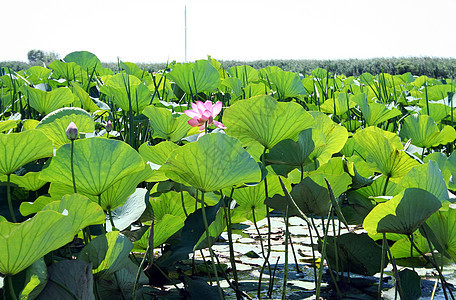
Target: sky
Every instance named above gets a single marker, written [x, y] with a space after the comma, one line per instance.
[154, 30]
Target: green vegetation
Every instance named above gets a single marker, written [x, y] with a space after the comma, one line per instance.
[112, 180]
[430, 66]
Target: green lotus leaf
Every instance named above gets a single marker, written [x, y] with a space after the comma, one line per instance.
[172, 203]
[194, 78]
[3, 219]
[424, 132]
[440, 230]
[7, 125]
[309, 197]
[29, 124]
[126, 89]
[156, 156]
[28, 208]
[69, 71]
[164, 125]
[86, 103]
[88, 61]
[251, 199]
[428, 177]
[46, 102]
[338, 106]
[437, 111]
[375, 113]
[402, 247]
[235, 85]
[66, 276]
[255, 89]
[163, 230]
[55, 124]
[404, 213]
[328, 138]
[17, 149]
[45, 232]
[383, 155]
[287, 155]
[245, 74]
[439, 92]
[98, 164]
[214, 162]
[357, 253]
[287, 84]
[108, 252]
[38, 74]
[30, 181]
[82, 212]
[262, 119]
[114, 196]
[376, 188]
[36, 278]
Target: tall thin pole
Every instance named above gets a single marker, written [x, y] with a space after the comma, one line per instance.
[185, 26]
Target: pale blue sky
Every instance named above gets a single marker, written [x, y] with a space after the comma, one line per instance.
[153, 31]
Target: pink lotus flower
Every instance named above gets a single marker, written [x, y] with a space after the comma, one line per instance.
[203, 114]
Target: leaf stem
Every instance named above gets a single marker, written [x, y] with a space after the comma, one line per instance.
[10, 202]
[206, 226]
[72, 166]
[11, 287]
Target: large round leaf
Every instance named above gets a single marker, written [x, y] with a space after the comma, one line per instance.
[196, 77]
[55, 124]
[404, 213]
[82, 212]
[428, 177]
[47, 102]
[424, 132]
[21, 244]
[108, 252]
[87, 60]
[214, 162]
[17, 149]
[328, 137]
[164, 125]
[125, 90]
[98, 164]
[383, 154]
[287, 84]
[262, 119]
[440, 229]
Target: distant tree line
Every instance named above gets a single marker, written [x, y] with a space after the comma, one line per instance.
[430, 66]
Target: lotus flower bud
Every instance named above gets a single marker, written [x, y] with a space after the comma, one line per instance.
[109, 126]
[72, 131]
